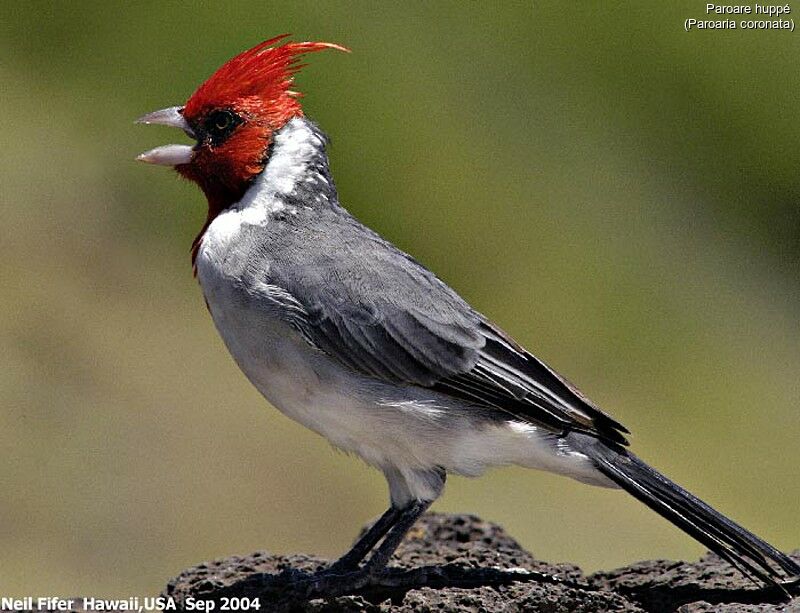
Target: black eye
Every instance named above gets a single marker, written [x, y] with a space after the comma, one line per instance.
[220, 124]
[222, 121]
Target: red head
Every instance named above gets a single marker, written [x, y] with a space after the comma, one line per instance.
[233, 116]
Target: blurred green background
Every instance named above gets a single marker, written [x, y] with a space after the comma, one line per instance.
[618, 194]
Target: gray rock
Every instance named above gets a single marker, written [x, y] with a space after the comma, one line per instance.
[462, 563]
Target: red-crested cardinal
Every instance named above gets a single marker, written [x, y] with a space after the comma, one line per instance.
[353, 338]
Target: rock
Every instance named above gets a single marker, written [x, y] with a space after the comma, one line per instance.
[462, 563]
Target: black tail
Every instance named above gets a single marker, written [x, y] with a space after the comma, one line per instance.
[753, 556]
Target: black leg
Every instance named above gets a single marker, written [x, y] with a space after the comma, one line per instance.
[408, 516]
[345, 576]
[364, 545]
[340, 580]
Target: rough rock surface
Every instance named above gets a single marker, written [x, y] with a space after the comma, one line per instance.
[461, 563]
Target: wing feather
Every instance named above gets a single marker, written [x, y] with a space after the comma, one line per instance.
[379, 312]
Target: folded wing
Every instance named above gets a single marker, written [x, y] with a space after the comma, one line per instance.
[379, 312]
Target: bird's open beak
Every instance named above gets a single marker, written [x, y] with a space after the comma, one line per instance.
[168, 155]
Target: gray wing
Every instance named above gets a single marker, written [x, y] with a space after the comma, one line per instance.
[379, 312]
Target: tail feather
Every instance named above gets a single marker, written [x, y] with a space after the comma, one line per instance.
[753, 556]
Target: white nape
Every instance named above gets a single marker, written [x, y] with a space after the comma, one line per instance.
[294, 148]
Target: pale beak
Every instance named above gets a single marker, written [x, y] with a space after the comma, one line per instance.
[168, 155]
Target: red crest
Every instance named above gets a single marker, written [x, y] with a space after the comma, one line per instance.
[258, 78]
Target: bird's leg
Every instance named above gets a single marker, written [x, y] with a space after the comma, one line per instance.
[332, 581]
[350, 560]
[408, 516]
[345, 576]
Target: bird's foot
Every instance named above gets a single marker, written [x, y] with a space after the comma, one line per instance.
[337, 580]
[342, 566]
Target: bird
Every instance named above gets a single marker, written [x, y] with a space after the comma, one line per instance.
[353, 338]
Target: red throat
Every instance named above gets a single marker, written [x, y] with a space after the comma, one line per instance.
[256, 85]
